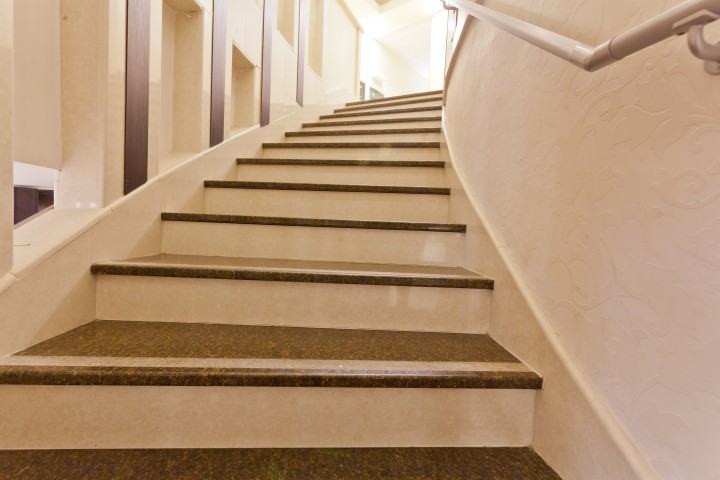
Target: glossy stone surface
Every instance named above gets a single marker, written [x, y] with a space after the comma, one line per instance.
[389, 103]
[382, 112]
[371, 122]
[325, 187]
[341, 163]
[353, 145]
[279, 464]
[326, 133]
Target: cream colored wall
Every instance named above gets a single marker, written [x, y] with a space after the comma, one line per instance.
[340, 50]
[398, 76]
[36, 93]
[601, 191]
[6, 129]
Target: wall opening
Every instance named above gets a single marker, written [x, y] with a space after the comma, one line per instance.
[315, 36]
[286, 17]
[244, 103]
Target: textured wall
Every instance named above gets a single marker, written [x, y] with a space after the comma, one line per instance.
[604, 191]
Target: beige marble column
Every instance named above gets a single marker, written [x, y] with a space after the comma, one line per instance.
[6, 165]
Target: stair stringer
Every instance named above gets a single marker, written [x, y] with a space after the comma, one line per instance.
[574, 430]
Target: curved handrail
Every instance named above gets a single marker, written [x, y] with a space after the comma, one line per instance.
[675, 21]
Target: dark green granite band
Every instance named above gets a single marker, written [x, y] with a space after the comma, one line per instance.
[312, 222]
[326, 187]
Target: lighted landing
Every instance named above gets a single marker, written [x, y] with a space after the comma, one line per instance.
[187, 354]
[286, 464]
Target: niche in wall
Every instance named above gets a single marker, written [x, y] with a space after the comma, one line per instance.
[181, 77]
[316, 26]
[244, 93]
[286, 20]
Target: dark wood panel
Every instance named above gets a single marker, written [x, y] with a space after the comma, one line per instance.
[268, 17]
[219, 64]
[137, 92]
[303, 20]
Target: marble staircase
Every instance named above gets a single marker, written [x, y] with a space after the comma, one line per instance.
[314, 321]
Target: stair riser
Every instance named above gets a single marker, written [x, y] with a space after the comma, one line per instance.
[250, 302]
[338, 205]
[383, 137]
[45, 417]
[401, 176]
[313, 243]
[424, 124]
[414, 103]
[395, 98]
[354, 153]
[380, 114]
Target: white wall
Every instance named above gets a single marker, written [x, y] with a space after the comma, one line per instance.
[340, 50]
[398, 76]
[603, 192]
[6, 128]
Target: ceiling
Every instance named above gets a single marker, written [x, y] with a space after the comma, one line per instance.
[403, 26]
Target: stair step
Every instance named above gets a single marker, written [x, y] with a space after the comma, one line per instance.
[369, 106]
[326, 463]
[353, 145]
[186, 354]
[188, 288]
[337, 201]
[313, 239]
[397, 151]
[320, 133]
[368, 172]
[392, 112]
[393, 135]
[430, 120]
[395, 97]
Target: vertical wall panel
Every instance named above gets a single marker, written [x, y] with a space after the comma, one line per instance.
[303, 20]
[219, 61]
[268, 16]
[6, 169]
[137, 94]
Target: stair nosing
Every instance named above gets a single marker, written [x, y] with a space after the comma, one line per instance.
[343, 123]
[390, 103]
[395, 97]
[312, 222]
[339, 133]
[342, 163]
[279, 275]
[351, 145]
[327, 187]
[381, 112]
[271, 377]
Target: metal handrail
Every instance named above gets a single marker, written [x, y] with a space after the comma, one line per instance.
[690, 16]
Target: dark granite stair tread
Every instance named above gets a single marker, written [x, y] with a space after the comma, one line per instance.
[395, 97]
[372, 121]
[389, 103]
[236, 268]
[158, 353]
[312, 222]
[326, 187]
[339, 133]
[341, 163]
[352, 145]
[434, 108]
[518, 463]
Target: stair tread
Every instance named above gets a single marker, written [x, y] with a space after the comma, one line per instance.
[312, 222]
[394, 97]
[351, 145]
[387, 131]
[342, 123]
[342, 163]
[237, 268]
[390, 103]
[164, 353]
[326, 187]
[498, 463]
[433, 108]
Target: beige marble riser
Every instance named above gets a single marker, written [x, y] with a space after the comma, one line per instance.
[362, 137]
[374, 153]
[92, 417]
[432, 101]
[358, 175]
[384, 113]
[398, 247]
[320, 204]
[299, 304]
[407, 96]
[349, 124]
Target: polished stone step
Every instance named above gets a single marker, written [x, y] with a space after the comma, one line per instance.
[395, 97]
[397, 151]
[188, 354]
[403, 243]
[520, 463]
[401, 144]
[188, 288]
[334, 201]
[386, 131]
[422, 121]
[394, 135]
[396, 103]
[392, 113]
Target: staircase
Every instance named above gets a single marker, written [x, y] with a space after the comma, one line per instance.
[312, 322]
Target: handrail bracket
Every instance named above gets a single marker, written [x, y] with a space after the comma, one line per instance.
[704, 50]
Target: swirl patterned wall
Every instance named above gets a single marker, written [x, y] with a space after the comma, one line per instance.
[604, 189]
